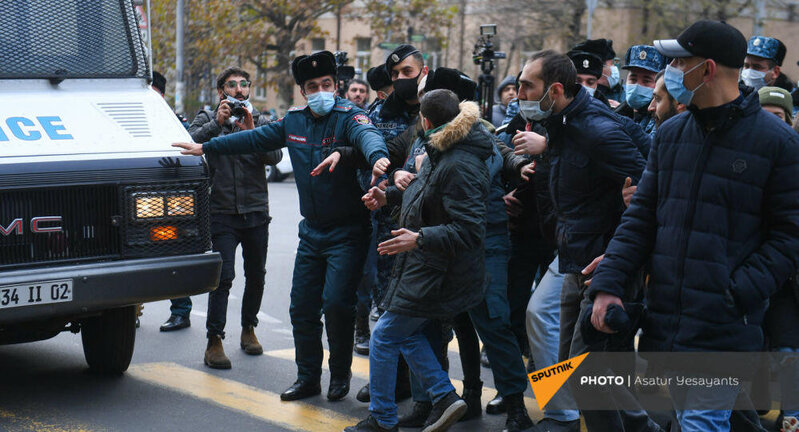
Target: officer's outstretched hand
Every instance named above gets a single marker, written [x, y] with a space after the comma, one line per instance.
[403, 241]
[374, 199]
[193, 149]
[330, 161]
[379, 169]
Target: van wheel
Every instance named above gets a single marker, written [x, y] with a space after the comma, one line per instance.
[108, 340]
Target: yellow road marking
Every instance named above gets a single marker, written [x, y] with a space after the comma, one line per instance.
[360, 369]
[21, 422]
[256, 402]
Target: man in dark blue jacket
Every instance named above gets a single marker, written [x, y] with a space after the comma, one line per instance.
[334, 233]
[592, 155]
[715, 217]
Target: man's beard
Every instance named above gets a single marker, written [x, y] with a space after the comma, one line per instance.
[671, 113]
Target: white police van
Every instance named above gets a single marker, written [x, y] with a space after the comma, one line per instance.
[97, 212]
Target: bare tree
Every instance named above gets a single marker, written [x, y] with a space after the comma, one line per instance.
[269, 31]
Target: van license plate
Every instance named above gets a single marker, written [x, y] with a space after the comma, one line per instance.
[35, 293]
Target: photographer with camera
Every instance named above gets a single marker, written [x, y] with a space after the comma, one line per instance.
[239, 214]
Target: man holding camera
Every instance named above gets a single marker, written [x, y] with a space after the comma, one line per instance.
[334, 233]
[239, 215]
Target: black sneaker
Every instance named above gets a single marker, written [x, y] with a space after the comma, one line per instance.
[417, 417]
[369, 424]
[445, 413]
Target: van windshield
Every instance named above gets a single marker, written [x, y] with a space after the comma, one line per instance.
[70, 39]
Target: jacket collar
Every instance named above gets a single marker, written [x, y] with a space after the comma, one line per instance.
[393, 107]
[457, 129]
[577, 105]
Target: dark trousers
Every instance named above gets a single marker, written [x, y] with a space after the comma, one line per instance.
[327, 270]
[529, 258]
[573, 298]
[180, 307]
[369, 280]
[251, 230]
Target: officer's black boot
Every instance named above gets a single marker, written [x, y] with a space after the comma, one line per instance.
[496, 405]
[518, 420]
[472, 395]
[362, 333]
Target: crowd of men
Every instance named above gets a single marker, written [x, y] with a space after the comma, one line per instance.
[675, 187]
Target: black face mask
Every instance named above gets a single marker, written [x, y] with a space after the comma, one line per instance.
[407, 89]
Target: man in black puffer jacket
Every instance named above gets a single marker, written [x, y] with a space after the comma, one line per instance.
[715, 217]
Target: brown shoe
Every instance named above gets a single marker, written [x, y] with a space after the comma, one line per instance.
[249, 343]
[215, 354]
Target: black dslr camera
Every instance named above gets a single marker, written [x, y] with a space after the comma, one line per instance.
[344, 73]
[237, 109]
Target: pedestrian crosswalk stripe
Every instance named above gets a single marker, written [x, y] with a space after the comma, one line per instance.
[256, 402]
[360, 369]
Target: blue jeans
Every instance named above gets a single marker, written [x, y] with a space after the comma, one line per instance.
[695, 420]
[543, 332]
[394, 334]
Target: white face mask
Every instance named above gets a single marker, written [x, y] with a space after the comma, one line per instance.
[753, 78]
[531, 110]
[246, 102]
[590, 90]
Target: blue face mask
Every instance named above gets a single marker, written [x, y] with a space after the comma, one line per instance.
[321, 102]
[590, 90]
[673, 78]
[638, 96]
[614, 77]
[753, 78]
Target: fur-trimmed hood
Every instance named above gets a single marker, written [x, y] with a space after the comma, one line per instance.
[457, 129]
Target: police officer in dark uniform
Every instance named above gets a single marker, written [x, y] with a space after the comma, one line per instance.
[763, 62]
[334, 233]
[642, 62]
[380, 82]
[589, 71]
[610, 82]
[398, 112]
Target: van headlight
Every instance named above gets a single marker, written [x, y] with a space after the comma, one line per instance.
[148, 206]
[153, 205]
[180, 205]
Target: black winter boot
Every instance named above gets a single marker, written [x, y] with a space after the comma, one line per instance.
[518, 420]
[472, 396]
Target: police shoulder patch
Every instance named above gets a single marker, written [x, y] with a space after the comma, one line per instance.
[361, 119]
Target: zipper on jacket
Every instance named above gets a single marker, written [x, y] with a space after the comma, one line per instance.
[689, 220]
